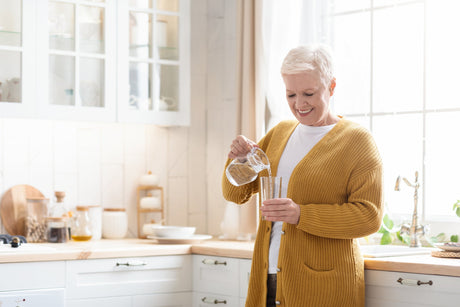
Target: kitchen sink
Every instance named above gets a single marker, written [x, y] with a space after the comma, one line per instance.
[375, 251]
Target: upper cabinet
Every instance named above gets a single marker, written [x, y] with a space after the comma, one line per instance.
[154, 61]
[77, 65]
[17, 70]
[100, 60]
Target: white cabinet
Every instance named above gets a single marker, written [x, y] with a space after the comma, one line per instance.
[154, 61]
[96, 60]
[17, 58]
[220, 280]
[32, 284]
[396, 289]
[155, 281]
[76, 60]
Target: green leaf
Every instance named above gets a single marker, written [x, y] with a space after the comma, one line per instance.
[388, 222]
[386, 239]
[454, 238]
[457, 211]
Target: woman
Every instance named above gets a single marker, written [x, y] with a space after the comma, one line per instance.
[306, 253]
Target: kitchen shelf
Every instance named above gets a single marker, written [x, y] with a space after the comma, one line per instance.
[141, 191]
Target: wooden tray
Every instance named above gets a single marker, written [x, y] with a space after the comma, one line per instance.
[13, 207]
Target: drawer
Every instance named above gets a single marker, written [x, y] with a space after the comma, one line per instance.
[201, 299]
[383, 289]
[128, 276]
[219, 275]
[32, 275]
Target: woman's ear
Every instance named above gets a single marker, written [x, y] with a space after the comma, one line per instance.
[332, 86]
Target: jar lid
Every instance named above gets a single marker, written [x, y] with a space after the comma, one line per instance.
[115, 209]
[82, 208]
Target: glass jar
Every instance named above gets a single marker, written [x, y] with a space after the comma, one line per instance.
[114, 223]
[56, 230]
[81, 226]
[95, 217]
[37, 210]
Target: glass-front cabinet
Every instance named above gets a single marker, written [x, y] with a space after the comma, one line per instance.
[78, 55]
[100, 60]
[16, 58]
[153, 77]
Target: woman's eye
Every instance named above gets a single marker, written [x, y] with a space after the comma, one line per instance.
[292, 95]
[307, 94]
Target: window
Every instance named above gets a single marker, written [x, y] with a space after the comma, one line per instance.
[396, 70]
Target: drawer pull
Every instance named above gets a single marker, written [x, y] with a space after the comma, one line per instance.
[213, 262]
[413, 282]
[213, 301]
[132, 263]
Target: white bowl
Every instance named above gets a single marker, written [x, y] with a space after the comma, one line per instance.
[173, 231]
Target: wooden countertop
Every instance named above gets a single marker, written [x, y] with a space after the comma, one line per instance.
[422, 264]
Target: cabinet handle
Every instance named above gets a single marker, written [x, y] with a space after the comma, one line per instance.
[413, 282]
[132, 263]
[213, 301]
[213, 262]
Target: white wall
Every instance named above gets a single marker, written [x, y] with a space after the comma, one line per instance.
[101, 163]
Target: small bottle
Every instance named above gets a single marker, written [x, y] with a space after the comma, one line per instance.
[59, 208]
[57, 231]
[81, 228]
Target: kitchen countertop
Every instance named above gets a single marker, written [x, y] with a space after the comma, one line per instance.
[421, 264]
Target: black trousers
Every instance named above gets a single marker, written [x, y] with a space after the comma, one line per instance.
[271, 290]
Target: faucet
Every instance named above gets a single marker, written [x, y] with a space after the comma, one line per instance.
[415, 230]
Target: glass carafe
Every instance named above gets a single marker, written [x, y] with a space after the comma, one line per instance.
[243, 170]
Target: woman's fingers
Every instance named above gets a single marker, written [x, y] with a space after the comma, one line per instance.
[240, 147]
[281, 210]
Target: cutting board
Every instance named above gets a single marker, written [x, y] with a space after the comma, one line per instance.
[13, 207]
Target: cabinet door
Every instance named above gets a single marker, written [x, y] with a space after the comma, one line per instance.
[76, 59]
[245, 271]
[32, 275]
[218, 275]
[17, 58]
[128, 276]
[153, 61]
[406, 289]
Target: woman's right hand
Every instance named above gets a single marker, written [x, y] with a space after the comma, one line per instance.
[240, 147]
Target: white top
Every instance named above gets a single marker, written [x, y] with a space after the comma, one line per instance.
[300, 143]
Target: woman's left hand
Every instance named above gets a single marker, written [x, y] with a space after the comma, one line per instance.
[281, 210]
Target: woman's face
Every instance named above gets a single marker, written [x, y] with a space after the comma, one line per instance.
[308, 98]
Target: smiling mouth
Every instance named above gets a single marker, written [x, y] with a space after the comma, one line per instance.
[304, 112]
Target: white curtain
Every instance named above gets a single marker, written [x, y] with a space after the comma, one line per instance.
[286, 24]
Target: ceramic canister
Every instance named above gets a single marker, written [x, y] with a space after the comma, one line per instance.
[114, 223]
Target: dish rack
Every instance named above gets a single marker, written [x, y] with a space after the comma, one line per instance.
[141, 212]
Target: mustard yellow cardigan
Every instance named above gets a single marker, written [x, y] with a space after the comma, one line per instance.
[338, 186]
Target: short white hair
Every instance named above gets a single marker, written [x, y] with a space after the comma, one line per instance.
[307, 58]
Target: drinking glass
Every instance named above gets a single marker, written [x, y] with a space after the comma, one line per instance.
[270, 187]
